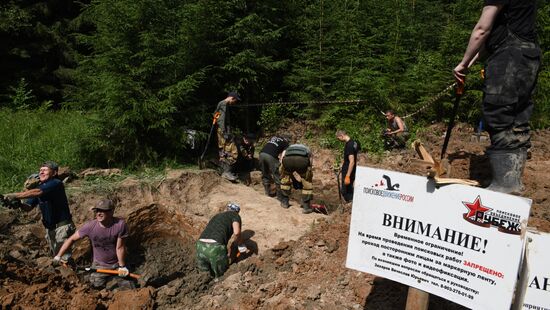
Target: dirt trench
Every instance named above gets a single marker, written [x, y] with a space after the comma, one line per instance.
[164, 218]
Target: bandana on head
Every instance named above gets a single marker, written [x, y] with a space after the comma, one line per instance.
[233, 206]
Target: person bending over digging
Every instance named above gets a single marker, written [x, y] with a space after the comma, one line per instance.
[51, 198]
[296, 171]
[107, 235]
[212, 253]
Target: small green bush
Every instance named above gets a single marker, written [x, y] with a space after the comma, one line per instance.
[28, 138]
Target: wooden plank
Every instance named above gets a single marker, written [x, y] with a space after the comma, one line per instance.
[422, 152]
[445, 181]
[417, 299]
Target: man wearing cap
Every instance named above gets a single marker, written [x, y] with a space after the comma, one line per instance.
[108, 237]
[227, 149]
[51, 198]
[212, 253]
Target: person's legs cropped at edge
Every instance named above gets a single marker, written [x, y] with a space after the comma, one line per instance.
[507, 107]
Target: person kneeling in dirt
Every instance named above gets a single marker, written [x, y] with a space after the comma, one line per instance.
[396, 133]
[107, 235]
[212, 253]
[296, 171]
[49, 195]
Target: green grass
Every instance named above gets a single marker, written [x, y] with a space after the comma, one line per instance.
[28, 138]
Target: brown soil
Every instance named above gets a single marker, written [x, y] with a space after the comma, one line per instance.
[297, 261]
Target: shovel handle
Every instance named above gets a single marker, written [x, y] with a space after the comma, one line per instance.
[460, 87]
[215, 118]
[114, 272]
[458, 91]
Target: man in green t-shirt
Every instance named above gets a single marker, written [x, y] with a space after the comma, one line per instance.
[212, 254]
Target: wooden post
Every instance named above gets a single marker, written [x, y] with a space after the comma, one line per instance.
[417, 299]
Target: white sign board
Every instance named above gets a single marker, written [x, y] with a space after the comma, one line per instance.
[535, 284]
[459, 242]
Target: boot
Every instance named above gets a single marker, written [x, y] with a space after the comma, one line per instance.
[228, 172]
[283, 199]
[507, 169]
[306, 205]
[267, 189]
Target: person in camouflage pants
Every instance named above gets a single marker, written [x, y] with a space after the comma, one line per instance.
[212, 258]
[228, 152]
[211, 248]
[505, 32]
[296, 171]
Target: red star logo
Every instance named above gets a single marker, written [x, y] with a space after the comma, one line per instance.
[475, 207]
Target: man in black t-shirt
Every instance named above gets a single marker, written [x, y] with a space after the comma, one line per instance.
[270, 162]
[349, 164]
[211, 247]
[506, 32]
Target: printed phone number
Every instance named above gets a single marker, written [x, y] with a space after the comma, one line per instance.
[456, 291]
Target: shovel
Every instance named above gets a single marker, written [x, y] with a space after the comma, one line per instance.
[108, 271]
[214, 120]
[459, 90]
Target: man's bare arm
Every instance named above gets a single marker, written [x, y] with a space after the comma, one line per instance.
[121, 251]
[67, 244]
[351, 159]
[479, 35]
[31, 193]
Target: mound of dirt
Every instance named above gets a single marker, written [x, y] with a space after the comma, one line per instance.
[297, 261]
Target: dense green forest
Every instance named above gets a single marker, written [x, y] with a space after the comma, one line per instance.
[138, 73]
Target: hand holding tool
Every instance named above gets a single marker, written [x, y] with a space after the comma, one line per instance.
[123, 272]
[459, 90]
[347, 180]
[111, 271]
[56, 260]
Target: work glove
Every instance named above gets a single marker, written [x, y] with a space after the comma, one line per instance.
[241, 249]
[123, 272]
[9, 201]
[57, 261]
[11, 196]
[347, 180]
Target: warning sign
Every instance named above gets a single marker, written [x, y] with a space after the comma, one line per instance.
[459, 242]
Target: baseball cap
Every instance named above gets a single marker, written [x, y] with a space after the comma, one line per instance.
[233, 206]
[104, 204]
[235, 95]
[50, 164]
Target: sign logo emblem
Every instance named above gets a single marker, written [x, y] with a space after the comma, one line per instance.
[388, 184]
[387, 189]
[483, 216]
